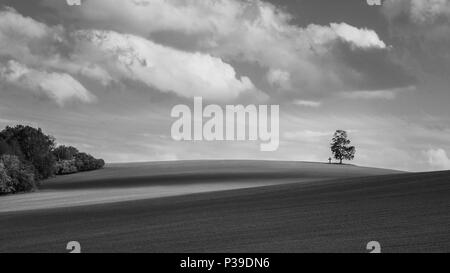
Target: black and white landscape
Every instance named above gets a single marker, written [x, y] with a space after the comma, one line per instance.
[231, 206]
[236, 126]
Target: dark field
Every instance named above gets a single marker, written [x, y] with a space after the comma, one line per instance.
[318, 208]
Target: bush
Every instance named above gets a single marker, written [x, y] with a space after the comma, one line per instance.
[31, 145]
[27, 155]
[16, 176]
[6, 185]
[70, 160]
[65, 152]
[65, 167]
[85, 162]
[4, 147]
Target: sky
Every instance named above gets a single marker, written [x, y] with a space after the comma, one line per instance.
[105, 75]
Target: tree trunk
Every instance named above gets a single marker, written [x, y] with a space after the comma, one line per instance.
[340, 160]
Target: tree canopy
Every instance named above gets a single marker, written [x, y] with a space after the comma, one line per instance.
[31, 145]
[27, 155]
[340, 146]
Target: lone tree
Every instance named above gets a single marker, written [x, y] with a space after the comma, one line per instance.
[340, 146]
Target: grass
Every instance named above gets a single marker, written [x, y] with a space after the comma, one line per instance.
[306, 208]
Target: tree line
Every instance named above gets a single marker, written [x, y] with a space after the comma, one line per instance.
[28, 156]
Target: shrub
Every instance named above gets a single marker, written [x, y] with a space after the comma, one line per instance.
[6, 185]
[16, 176]
[70, 160]
[33, 146]
[65, 167]
[27, 156]
[4, 147]
[65, 152]
[85, 162]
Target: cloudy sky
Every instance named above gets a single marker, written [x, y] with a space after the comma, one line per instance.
[105, 75]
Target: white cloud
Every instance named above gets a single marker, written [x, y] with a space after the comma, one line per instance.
[220, 19]
[279, 78]
[144, 16]
[36, 44]
[245, 31]
[308, 103]
[22, 37]
[368, 95]
[167, 69]
[15, 24]
[388, 94]
[358, 38]
[363, 38]
[59, 87]
[78, 65]
[438, 159]
[307, 135]
[106, 56]
[305, 54]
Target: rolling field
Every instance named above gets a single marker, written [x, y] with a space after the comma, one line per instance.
[232, 206]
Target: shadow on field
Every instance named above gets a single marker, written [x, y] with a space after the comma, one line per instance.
[404, 212]
[190, 172]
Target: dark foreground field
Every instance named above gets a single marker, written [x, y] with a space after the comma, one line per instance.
[404, 212]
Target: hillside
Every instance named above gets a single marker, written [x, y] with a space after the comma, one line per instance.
[138, 181]
[404, 212]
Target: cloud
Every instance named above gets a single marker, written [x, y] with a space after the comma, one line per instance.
[299, 59]
[26, 26]
[26, 39]
[7, 121]
[226, 39]
[429, 10]
[35, 44]
[107, 56]
[307, 135]
[438, 159]
[356, 37]
[308, 103]
[390, 94]
[251, 31]
[279, 78]
[382, 94]
[415, 27]
[215, 19]
[59, 87]
[17, 33]
[418, 11]
[143, 17]
[167, 69]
